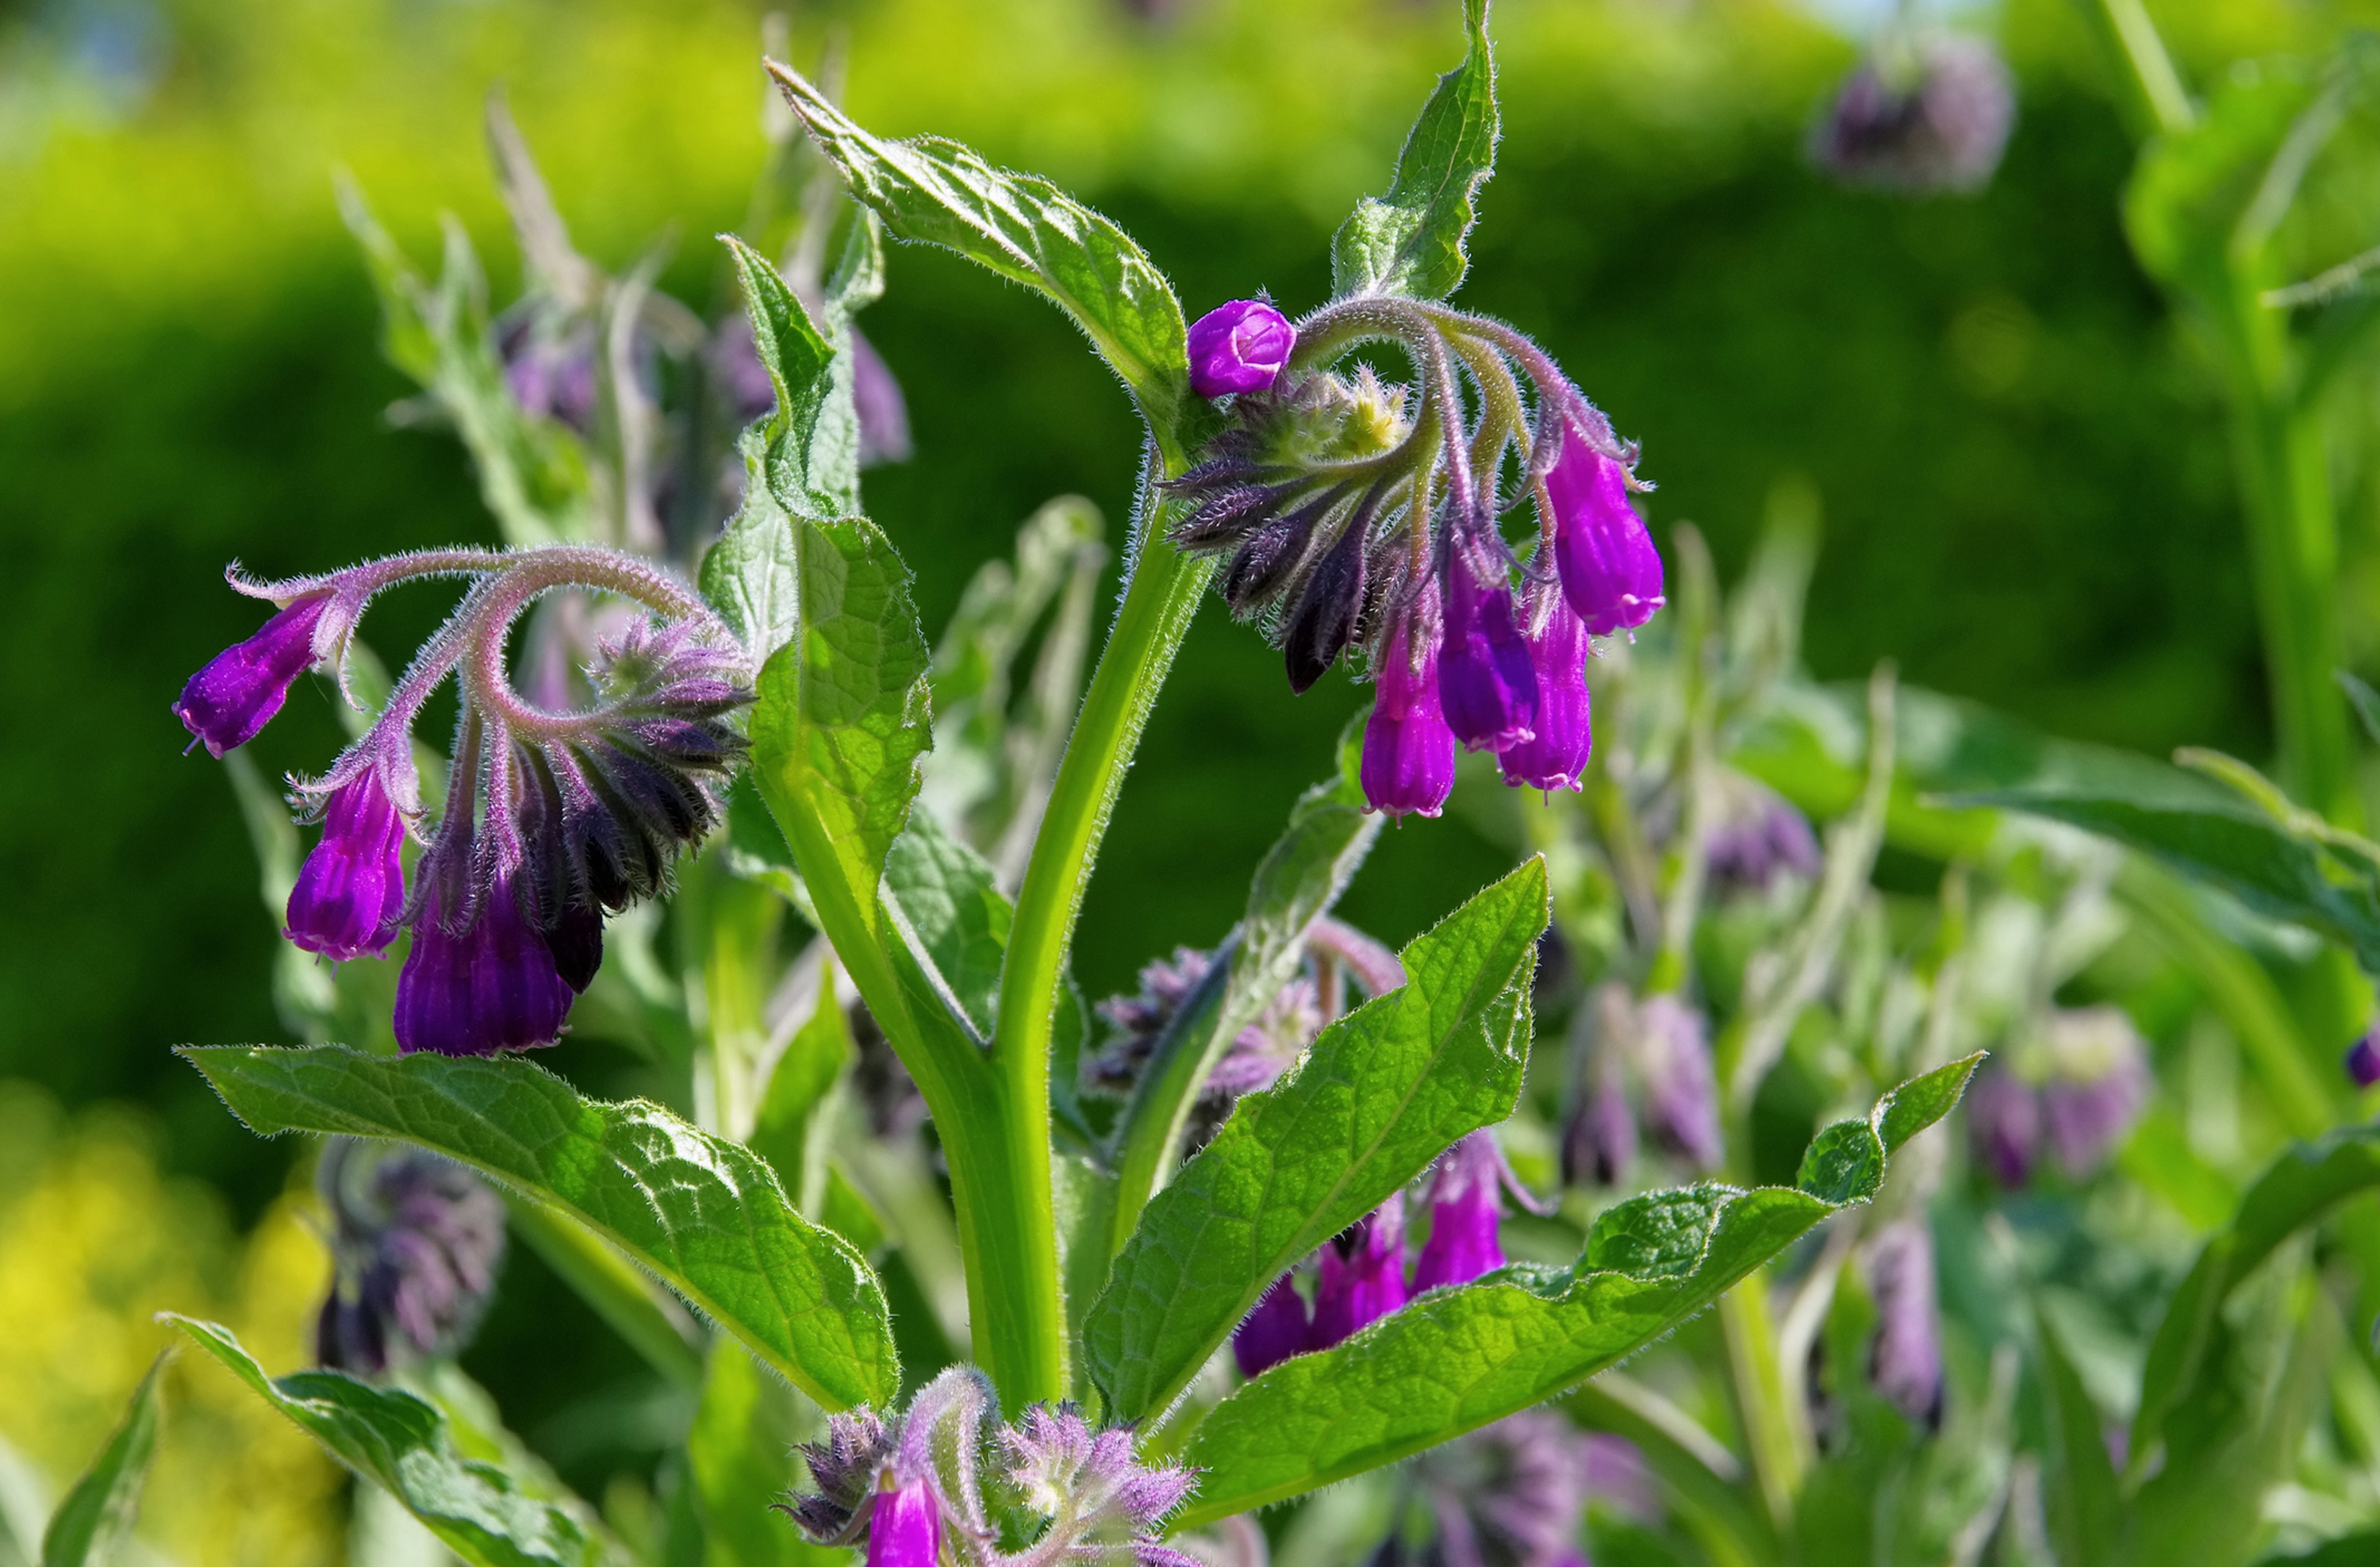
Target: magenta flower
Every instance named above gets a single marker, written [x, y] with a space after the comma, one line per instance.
[489, 983]
[1484, 681]
[1554, 757]
[225, 704]
[1275, 1330]
[1465, 1210]
[904, 1527]
[1363, 1276]
[1610, 573]
[1239, 348]
[1408, 763]
[350, 892]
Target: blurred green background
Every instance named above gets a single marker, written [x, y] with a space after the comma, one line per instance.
[2021, 473]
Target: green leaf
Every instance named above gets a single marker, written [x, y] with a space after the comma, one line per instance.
[1025, 229]
[2087, 1510]
[705, 1214]
[786, 1132]
[475, 1507]
[1457, 1359]
[1410, 241]
[2299, 1186]
[842, 719]
[2365, 701]
[1382, 1093]
[2287, 868]
[959, 918]
[97, 1515]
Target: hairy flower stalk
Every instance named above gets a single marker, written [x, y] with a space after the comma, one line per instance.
[553, 819]
[1366, 519]
[926, 1487]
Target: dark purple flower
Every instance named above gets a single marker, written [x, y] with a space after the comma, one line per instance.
[1554, 757]
[2004, 1124]
[350, 892]
[2098, 1085]
[1935, 120]
[1486, 684]
[904, 1527]
[1275, 1330]
[1906, 1365]
[1408, 763]
[239, 690]
[2364, 1059]
[493, 984]
[1680, 1094]
[414, 1243]
[1363, 1276]
[1610, 573]
[1466, 1208]
[1239, 348]
[1757, 837]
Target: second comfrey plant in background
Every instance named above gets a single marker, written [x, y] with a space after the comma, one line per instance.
[757, 749]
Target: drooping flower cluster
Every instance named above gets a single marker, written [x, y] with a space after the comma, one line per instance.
[415, 1244]
[934, 1484]
[1359, 1277]
[1662, 1044]
[1921, 115]
[1354, 516]
[552, 819]
[2076, 1090]
[1515, 1494]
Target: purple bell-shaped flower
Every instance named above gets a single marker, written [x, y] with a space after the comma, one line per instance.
[1554, 757]
[1907, 1363]
[1610, 573]
[1275, 1330]
[904, 1527]
[350, 892]
[1408, 765]
[491, 984]
[225, 704]
[1239, 348]
[1363, 1276]
[1485, 680]
[1466, 1210]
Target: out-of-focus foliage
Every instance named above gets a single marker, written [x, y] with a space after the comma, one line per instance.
[94, 1240]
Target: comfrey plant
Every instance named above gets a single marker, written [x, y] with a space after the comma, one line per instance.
[823, 877]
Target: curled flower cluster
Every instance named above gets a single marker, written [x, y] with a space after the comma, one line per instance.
[552, 819]
[1355, 516]
[1360, 1276]
[928, 1486]
[2074, 1093]
[1664, 1045]
[415, 1244]
[1919, 116]
[1515, 1493]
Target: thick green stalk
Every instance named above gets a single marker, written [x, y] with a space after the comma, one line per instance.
[1150, 627]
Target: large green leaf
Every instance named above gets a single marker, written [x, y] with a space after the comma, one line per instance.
[1460, 1358]
[1382, 1093]
[2295, 1191]
[1410, 241]
[1022, 226]
[960, 918]
[479, 1512]
[740, 1452]
[705, 1214]
[97, 1515]
[842, 715]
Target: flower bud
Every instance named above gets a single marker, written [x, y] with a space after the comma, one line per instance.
[1486, 684]
[350, 892]
[1363, 1276]
[1408, 750]
[1512, 1494]
[549, 372]
[1610, 573]
[2364, 1059]
[1554, 757]
[1759, 837]
[1680, 1093]
[1466, 1210]
[1275, 1330]
[1600, 1144]
[2098, 1085]
[2004, 1125]
[1239, 348]
[225, 704]
[1936, 120]
[415, 1240]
